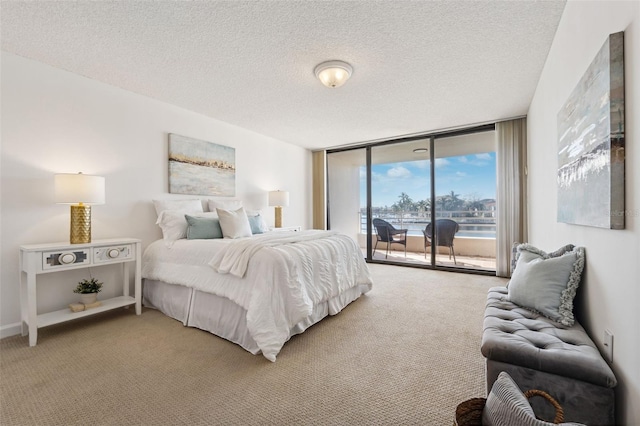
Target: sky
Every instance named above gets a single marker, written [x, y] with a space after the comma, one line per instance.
[470, 176]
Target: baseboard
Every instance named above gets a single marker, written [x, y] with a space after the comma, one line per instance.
[10, 330]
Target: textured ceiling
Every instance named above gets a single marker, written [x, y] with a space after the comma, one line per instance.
[418, 65]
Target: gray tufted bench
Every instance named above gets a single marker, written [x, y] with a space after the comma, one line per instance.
[541, 354]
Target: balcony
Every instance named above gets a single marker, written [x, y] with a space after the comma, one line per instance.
[474, 244]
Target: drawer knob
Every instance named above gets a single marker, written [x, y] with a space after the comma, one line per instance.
[113, 253]
[67, 258]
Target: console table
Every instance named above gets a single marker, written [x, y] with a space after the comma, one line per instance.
[36, 259]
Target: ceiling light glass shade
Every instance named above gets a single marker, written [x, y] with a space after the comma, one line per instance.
[333, 73]
[79, 188]
[278, 198]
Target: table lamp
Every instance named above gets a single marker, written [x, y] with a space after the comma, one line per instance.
[278, 199]
[81, 191]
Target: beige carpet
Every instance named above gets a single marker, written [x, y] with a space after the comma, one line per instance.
[406, 353]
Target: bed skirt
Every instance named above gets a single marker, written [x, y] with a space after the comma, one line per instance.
[223, 317]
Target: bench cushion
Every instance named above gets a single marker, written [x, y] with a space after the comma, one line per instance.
[520, 337]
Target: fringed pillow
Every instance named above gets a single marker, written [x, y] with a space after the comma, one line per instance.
[547, 284]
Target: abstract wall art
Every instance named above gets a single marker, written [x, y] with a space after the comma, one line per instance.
[591, 143]
[199, 167]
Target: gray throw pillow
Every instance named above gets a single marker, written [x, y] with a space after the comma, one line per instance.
[514, 253]
[547, 284]
[506, 405]
[201, 228]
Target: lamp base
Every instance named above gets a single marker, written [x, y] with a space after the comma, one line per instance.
[80, 230]
[278, 217]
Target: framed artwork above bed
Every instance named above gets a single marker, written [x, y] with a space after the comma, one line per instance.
[198, 167]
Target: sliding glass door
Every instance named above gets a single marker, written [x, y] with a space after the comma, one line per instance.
[400, 200]
[465, 202]
[426, 201]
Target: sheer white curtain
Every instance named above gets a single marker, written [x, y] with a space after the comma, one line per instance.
[511, 158]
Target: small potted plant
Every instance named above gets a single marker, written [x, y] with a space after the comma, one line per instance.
[88, 290]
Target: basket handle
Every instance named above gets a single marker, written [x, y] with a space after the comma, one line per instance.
[559, 411]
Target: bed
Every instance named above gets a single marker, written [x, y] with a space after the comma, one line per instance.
[255, 291]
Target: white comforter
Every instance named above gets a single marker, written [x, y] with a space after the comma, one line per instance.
[276, 277]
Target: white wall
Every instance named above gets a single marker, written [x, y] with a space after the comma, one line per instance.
[610, 292]
[54, 121]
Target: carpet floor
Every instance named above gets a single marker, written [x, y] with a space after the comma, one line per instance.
[406, 353]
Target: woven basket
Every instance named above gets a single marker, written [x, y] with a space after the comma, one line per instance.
[469, 412]
[559, 411]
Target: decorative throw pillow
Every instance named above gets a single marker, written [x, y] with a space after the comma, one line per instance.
[203, 228]
[186, 206]
[514, 256]
[174, 224]
[256, 224]
[506, 405]
[514, 253]
[226, 204]
[234, 224]
[547, 284]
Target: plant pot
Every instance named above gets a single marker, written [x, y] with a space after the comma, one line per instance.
[88, 298]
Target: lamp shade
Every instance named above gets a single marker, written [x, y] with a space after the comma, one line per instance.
[79, 188]
[278, 198]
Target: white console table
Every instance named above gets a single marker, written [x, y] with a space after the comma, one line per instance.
[38, 259]
[297, 228]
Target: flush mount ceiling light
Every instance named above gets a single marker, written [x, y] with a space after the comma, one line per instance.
[333, 73]
[420, 150]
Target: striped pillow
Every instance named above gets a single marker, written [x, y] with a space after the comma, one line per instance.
[507, 406]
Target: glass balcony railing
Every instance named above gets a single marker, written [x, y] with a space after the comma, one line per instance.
[473, 224]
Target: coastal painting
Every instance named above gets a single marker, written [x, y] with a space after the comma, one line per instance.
[591, 143]
[199, 167]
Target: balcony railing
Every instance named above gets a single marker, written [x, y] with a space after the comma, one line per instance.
[474, 224]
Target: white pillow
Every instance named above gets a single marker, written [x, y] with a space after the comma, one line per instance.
[186, 206]
[226, 204]
[174, 224]
[234, 224]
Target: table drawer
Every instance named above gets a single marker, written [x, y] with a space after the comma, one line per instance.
[65, 258]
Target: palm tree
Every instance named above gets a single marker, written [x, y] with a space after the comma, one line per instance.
[474, 206]
[403, 205]
[424, 206]
[452, 202]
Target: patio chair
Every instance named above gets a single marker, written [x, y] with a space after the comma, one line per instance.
[445, 233]
[387, 233]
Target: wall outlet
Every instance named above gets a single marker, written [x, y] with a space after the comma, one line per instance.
[608, 346]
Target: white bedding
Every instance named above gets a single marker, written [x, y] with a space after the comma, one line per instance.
[286, 275]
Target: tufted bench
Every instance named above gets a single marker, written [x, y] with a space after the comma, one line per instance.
[541, 354]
